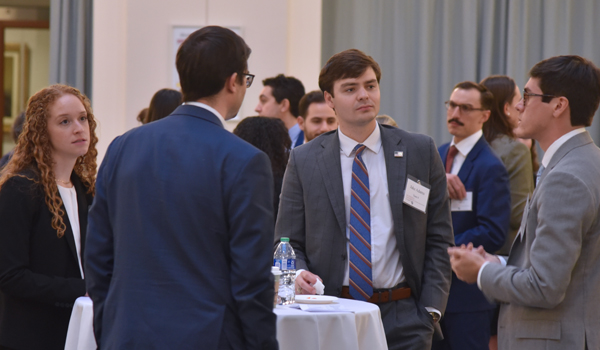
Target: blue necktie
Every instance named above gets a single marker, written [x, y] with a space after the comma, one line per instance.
[539, 175]
[361, 275]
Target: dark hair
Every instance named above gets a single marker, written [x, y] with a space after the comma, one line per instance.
[486, 98]
[162, 104]
[288, 88]
[346, 64]
[17, 127]
[142, 115]
[315, 96]
[575, 78]
[503, 89]
[270, 136]
[207, 58]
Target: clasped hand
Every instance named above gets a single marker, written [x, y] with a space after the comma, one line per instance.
[467, 260]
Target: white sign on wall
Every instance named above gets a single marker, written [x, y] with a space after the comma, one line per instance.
[180, 33]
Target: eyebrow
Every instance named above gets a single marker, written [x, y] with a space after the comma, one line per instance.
[349, 84]
[371, 81]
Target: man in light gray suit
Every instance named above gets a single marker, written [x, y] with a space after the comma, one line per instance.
[550, 287]
[366, 209]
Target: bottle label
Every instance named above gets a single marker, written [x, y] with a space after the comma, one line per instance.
[277, 262]
[285, 264]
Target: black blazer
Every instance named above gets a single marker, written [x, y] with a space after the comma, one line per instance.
[39, 272]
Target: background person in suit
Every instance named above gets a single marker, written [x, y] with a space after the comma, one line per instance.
[316, 117]
[45, 191]
[279, 99]
[16, 130]
[323, 212]
[179, 258]
[480, 196]
[549, 287]
[515, 155]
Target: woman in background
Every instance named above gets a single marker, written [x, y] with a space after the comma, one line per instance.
[270, 136]
[162, 104]
[498, 132]
[45, 191]
[516, 157]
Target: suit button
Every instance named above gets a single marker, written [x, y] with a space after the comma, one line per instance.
[57, 304]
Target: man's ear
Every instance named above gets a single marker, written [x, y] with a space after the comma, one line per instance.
[284, 106]
[486, 116]
[560, 106]
[300, 122]
[328, 99]
[231, 83]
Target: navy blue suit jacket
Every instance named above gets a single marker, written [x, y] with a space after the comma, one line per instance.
[179, 239]
[487, 224]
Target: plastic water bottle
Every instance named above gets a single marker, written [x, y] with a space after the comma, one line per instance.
[285, 259]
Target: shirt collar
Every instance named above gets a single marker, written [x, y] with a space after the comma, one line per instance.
[373, 142]
[294, 132]
[465, 146]
[208, 108]
[556, 145]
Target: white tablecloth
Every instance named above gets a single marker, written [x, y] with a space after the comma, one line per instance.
[296, 329]
[361, 330]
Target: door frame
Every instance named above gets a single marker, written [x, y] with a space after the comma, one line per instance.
[13, 24]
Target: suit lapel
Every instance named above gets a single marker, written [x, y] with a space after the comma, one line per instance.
[396, 177]
[328, 158]
[465, 169]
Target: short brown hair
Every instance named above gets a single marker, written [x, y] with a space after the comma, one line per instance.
[207, 58]
[346, 64]
[575, 78]
[486, 98]
[315, 96]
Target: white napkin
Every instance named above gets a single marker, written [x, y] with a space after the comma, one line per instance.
[320, 307]
[320, 287]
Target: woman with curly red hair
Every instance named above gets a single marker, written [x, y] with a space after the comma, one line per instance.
[45, 191]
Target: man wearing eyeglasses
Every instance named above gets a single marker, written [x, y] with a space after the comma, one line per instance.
[480, 203]
[177, 253]
[549, 287]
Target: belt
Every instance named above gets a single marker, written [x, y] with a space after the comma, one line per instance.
[381, 296]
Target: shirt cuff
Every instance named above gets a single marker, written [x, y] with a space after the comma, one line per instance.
[479, 274]
[431, 309]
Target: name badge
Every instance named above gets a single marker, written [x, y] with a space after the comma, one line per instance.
[416, 194]
[462, 205]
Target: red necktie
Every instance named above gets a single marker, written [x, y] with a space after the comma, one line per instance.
[450, 158]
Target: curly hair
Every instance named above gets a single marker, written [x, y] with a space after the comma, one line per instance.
[268, 135]
[34, 150]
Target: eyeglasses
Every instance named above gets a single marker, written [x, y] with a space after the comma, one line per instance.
[526, 96]
[462, 108]
[249, 79]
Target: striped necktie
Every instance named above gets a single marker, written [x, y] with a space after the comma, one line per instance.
[361, 280]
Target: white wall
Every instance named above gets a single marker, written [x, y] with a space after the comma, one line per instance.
[133, 49]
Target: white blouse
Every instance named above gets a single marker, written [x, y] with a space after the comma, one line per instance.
[69, 198]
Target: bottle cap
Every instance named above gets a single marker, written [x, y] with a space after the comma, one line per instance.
[285, 239]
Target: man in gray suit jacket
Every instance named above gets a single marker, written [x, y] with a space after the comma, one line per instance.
[366, 209]
[550, 285]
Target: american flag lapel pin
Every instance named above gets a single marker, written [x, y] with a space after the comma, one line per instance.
[398, 154]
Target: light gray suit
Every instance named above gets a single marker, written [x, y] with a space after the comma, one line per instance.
[551, 286]
[312, 215]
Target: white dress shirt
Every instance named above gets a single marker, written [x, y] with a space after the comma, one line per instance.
[208, 108]
[385, 257]
[69, 198]
[545, 161]
[464, 147]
